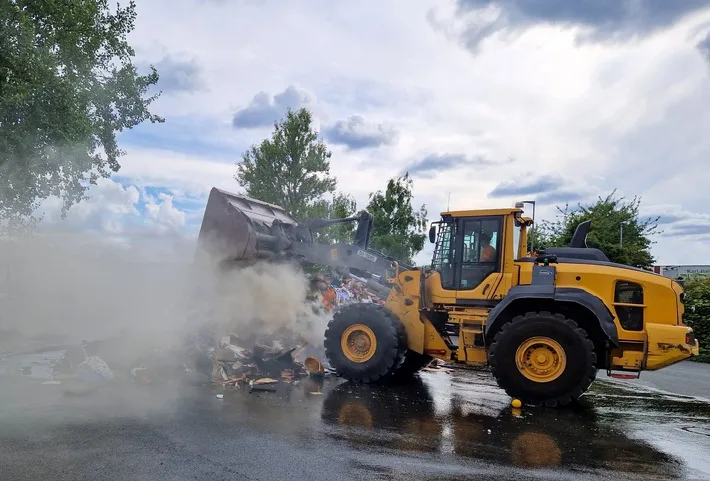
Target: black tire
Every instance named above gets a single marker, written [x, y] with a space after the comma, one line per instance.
[413, 363]
[580, 369]
[389, 334]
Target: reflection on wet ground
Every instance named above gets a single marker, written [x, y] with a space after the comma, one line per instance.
[467, 416]
[441, 426]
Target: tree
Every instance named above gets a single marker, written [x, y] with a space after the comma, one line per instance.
[291, 169]
[399, 231]
[697, 312]
[616, 229]
[67, 85]
[538, 237]
[343, 205]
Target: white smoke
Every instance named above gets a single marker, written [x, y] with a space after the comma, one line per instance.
[65, 289]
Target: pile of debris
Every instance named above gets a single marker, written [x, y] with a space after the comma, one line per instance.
[262, 367]
[333, 292]
[283, 356]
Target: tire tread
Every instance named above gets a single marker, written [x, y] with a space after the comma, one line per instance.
[508, 385]
[396, 337]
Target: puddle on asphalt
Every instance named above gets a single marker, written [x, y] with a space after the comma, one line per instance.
[616, 431]
[675, 424]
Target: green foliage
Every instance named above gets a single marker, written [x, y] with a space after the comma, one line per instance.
[697, 312]
[609, 216]
[67, 85]
[399, 231]
[291, 169]
[538, 238]
[342, 205]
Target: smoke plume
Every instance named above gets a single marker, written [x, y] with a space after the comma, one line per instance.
[64, 289]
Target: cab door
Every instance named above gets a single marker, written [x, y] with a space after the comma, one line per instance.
[479, 259]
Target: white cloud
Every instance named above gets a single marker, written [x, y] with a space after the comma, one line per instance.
[123, 215]
[109, 204]
[163, 215]
[629, 113]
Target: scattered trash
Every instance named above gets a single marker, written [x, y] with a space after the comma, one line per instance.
[240, 361]
[94, 369]
[220, 396]
[314, 366]
[346, 290]
[52, 382]
[265, 380]
[437, 365]
[263, 384]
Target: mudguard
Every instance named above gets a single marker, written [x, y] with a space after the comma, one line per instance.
[562, 294]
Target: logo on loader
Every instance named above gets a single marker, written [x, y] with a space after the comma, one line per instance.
[367, 256]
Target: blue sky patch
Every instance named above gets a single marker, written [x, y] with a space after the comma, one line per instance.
[177, 136]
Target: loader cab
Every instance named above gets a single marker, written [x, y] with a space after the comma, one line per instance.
[471, 253]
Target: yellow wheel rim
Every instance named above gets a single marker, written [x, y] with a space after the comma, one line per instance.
[541, 359]
[358, 343]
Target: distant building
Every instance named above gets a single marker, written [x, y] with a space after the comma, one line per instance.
[684, 272]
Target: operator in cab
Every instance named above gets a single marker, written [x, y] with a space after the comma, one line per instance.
[488, 252]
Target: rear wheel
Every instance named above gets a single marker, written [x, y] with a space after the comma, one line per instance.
[543, 358]
[365, 342]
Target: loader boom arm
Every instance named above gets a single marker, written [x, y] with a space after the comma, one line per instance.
[363, 262]
[237, 228]
[362, 233]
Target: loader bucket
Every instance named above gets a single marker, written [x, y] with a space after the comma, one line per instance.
[235, 227]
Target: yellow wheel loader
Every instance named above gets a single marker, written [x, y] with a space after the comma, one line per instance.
[544, 323]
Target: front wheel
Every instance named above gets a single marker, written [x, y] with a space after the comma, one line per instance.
[365, 342]
[543, 358]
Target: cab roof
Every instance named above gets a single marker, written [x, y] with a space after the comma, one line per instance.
[481, 212]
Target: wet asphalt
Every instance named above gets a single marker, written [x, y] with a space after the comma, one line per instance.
[443, 425]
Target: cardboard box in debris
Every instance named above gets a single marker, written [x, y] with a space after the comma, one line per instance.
[257, 361]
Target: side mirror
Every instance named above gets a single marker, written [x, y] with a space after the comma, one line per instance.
[432, 234]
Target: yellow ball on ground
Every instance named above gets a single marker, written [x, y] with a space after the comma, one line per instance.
[516, 403]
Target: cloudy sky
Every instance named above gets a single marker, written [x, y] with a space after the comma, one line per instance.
[488, 101]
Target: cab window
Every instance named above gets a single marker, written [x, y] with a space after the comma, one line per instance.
[480, 250]
[444, 254]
